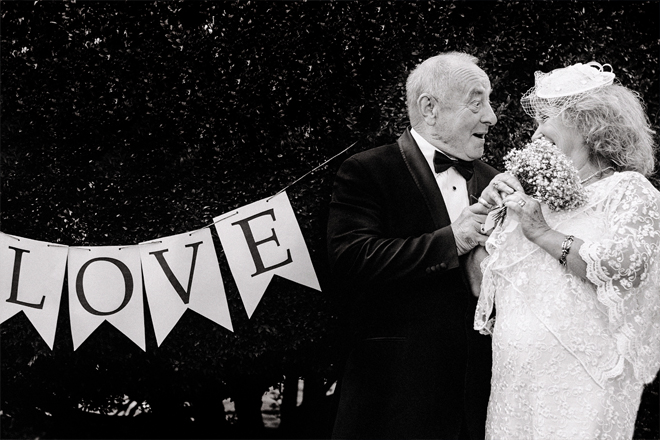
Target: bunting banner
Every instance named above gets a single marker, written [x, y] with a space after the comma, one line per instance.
[31, 281]
[261, 240]
[181, 272]
[105, 284]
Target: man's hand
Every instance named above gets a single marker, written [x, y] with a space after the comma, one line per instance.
[467, 228]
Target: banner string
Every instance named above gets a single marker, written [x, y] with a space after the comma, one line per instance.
[311, 171]
[289, 185]
[222, 219]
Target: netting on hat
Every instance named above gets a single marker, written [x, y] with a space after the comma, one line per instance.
[555, 91]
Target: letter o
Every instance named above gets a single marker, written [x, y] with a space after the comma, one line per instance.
[128, 283]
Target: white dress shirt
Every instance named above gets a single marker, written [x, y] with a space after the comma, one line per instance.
[452, 185]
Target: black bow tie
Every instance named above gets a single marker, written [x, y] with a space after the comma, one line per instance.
[442, 163]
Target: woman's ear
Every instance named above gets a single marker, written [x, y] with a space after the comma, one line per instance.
[428, 108]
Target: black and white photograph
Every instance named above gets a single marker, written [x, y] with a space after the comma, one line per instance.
[330, 219]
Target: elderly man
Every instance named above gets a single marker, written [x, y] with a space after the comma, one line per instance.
[400, 232]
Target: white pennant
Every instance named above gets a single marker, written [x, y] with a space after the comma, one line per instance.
[261, 240]
[31, 281]
[181, 272]
[105, 284]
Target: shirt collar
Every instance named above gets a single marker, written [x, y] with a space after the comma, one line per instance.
[427, 149]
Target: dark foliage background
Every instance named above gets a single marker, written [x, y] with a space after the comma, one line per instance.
[126, 121]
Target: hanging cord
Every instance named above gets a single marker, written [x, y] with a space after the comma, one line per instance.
[311, 171]
[288, 186]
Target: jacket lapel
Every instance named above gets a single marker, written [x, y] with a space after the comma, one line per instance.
[480, 180]
[424, 179]
[473, 188]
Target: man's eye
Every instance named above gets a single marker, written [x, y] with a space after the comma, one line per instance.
[476, 105]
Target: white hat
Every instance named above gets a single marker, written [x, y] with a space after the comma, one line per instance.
[555, 91]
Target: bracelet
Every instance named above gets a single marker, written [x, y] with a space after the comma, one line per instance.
[565, 249]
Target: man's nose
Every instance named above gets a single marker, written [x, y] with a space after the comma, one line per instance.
[537, 134]
[489, 116]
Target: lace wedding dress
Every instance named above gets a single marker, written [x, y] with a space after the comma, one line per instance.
[571, 357]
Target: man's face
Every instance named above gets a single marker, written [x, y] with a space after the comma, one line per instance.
[464, 118]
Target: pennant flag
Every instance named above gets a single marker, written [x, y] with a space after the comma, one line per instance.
[182, 272]
[261, 240]
[105, 284]
[31, 280]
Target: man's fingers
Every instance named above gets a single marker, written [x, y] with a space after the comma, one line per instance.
[467, 228]
[510, 181]
[479, 238]
[503, 187]
[495, 198]
[478, 209]
[482, 201]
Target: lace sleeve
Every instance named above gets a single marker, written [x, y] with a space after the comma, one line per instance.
[625, 268]
[483, 322]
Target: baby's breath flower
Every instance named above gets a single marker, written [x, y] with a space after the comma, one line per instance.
[546, 174]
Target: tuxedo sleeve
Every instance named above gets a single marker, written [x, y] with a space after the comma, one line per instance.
[366, 243]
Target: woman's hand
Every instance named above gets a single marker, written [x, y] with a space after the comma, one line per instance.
[502, 185]
[529, 214]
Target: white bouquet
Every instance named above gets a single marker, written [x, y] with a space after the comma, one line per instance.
[546, 174]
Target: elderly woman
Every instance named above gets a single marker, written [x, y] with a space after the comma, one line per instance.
[577, 293]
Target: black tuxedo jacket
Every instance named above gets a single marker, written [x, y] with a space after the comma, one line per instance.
[415, 368]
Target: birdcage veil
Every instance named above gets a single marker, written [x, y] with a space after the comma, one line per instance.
[555, 91]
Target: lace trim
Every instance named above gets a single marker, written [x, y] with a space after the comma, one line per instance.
[607, 293]
[485, 303]
[610, 296]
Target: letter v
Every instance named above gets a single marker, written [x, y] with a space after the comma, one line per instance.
[183, 293]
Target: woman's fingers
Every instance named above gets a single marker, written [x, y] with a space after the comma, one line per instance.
[501, 186]
[516, 201]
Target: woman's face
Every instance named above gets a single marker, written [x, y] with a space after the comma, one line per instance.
[567, 139]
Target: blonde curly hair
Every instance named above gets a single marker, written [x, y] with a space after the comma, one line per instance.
[615, 127]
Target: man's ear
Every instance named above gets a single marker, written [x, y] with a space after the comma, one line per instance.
[428, 108]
